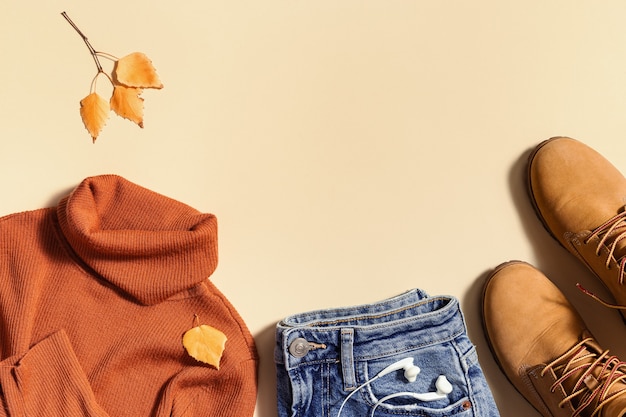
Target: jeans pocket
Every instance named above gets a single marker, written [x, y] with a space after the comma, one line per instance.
[439, 389]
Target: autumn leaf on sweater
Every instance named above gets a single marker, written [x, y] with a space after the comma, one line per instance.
[136, 70]
[94, 110]
[125, 102]
[205, 344]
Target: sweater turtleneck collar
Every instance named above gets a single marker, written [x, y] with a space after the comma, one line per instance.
[148, 245]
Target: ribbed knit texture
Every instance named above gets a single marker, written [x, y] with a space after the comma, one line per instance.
[95, 295]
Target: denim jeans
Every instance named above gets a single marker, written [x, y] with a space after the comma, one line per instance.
[327, 361]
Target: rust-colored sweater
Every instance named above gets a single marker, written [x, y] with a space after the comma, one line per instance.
[95, 295]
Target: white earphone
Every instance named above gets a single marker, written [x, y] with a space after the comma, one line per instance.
[443, 389]
[411, 372]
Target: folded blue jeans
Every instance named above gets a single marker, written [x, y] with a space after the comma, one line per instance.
[328, 361]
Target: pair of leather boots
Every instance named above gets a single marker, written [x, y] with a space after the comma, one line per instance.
[537, 337]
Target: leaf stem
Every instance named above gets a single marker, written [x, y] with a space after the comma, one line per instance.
[93, 52]
[107, 56]
[94, 81]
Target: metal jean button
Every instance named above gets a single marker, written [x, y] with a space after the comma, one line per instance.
[300, 347]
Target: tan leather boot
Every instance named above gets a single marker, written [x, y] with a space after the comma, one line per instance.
[545, 349]
[580, 196]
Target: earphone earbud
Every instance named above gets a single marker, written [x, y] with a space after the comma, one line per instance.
[443, 386]
[410, 371]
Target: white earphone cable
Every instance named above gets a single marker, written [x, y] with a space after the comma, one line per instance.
[410, 373]
[355, 391]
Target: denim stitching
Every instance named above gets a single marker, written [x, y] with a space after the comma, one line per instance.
[411, 347]
[362, 317]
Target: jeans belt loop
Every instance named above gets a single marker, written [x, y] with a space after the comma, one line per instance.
[347, 359]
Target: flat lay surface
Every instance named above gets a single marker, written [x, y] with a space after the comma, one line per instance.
[350, 150]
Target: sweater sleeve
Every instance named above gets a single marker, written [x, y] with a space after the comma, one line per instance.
[47, 381]
[232, 394]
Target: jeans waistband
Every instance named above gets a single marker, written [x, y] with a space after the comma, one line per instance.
[402, 323]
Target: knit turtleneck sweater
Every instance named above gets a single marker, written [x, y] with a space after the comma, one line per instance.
[95, 295]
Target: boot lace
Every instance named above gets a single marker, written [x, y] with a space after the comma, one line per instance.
[607, 231]
[597, 375]
[610, 233]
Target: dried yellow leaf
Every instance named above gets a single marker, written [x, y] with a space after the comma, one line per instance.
[205, 344]
[136, 70]
[126, 102]
[94, 110]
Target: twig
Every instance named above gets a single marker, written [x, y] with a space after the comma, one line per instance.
[93, 52]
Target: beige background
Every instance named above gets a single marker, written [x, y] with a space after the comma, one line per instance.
[351, 149]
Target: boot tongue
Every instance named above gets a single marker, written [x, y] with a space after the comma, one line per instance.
[616, 408]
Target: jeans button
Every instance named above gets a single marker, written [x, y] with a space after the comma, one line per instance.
[299, 347]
